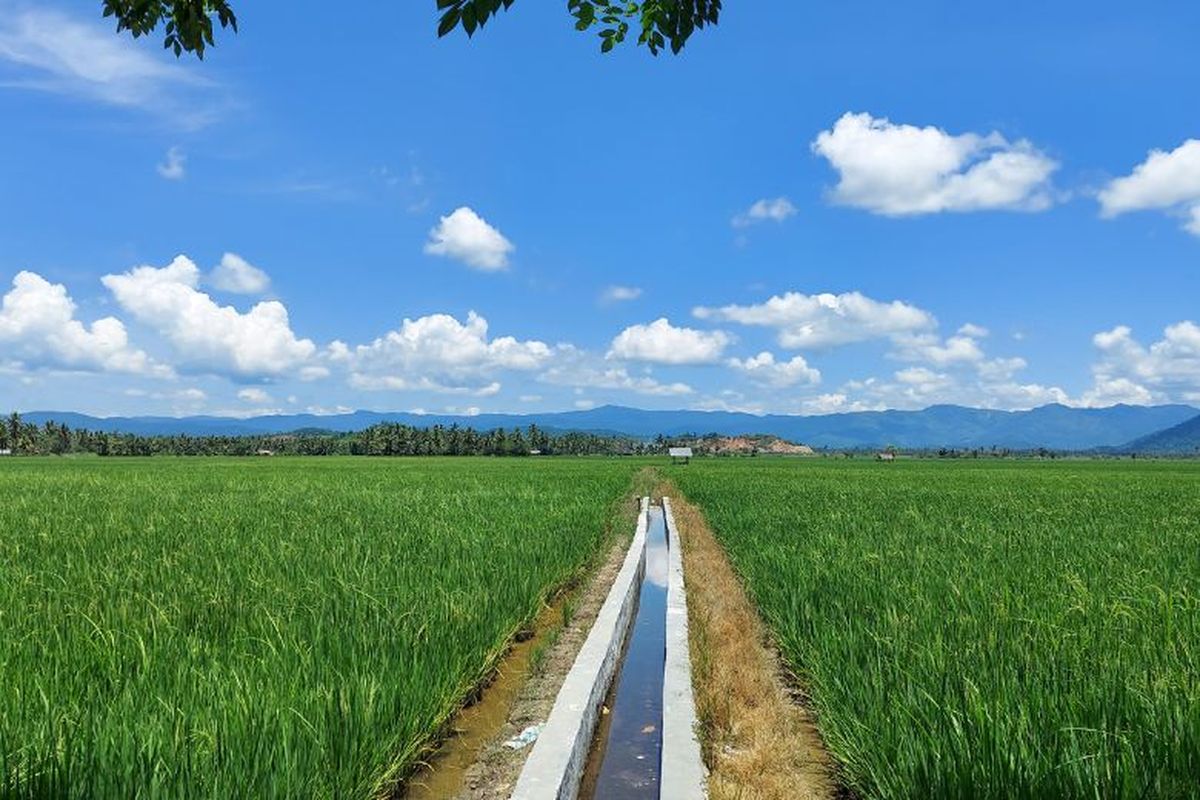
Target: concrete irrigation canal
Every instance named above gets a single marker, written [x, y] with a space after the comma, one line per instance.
[623, 723]
[627, 745]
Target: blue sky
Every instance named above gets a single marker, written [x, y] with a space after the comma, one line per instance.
[816, 207]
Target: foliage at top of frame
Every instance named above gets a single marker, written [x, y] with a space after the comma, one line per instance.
[662, 23]
[189, 22]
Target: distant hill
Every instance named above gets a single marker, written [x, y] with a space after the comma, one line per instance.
[1053, 426]
[1178, 440]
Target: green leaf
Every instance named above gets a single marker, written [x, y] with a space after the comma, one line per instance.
[449, 21]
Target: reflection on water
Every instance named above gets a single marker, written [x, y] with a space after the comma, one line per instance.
[630, 753]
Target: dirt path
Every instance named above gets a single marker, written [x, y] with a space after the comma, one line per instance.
[759, 738]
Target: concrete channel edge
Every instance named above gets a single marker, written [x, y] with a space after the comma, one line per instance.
[683, 776]
[556, 763]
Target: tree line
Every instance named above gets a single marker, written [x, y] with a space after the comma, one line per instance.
[385, 439]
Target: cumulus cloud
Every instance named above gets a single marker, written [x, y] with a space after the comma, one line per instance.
[900, 170]
[660, 342]
[1114, 391]
[1000, 369]
[974, 331]
[1164, 181]
[581, 370]
[206, 336]
[958, 349]
[174, 168]
[765, 210]
[825, 320]
[254, 395]
[763, 368]
[38, 328]
[620, 294]
[923, 381]
[438, 353]
[920, 387]
[828, 403]
[1168, 369]
[238, 276]
[467, 237]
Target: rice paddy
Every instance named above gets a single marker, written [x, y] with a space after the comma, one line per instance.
[980, 630]
[274, 628]
[303, 628]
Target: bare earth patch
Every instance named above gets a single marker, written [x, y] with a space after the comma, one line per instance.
[759, 738]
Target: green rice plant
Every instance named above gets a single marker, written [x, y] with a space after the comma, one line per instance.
[980, 629]
[279, 628]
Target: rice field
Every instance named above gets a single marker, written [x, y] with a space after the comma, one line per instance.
[276, 628]
[980, 629]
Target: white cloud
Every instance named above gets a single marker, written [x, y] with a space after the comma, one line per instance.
[579, 370]
[467, 237]
[420, 383]
[920, 387]
[1111, 391]
[238, 276]
[254, 395]
[54, 52]
[831, 403]
[923, 381]
[1000, 369]
[1165, 181]
[900, 170]
[38, 328]
[825, 320]
[207, 336]
[620, 294]
[731, 401]
[1012, 395]
[776, 210]
[175, 166]
[958, 349]
[1192, 223]
[1167, 370]
[763, 368]
[660, 342]
[974, 331]
[439, 353]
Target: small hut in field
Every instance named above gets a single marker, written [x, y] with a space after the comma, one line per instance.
[680, 455]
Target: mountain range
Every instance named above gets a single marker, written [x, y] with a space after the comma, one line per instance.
[1181, 439]
[1052, 426]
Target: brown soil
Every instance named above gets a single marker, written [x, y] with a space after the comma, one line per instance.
[530, 687]
[759, 738]
[749, 445]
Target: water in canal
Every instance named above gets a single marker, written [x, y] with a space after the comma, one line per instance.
[626, 750]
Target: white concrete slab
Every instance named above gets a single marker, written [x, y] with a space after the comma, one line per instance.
[683, 774]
